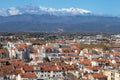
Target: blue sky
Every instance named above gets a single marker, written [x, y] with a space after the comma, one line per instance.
[110, 7]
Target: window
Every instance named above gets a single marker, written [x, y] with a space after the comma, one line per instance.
[60, 75]
[41, 75]
[48, 71]
[53, 75]
[37, 68]
[48, 75]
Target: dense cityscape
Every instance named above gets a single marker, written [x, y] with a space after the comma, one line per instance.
[59, 56]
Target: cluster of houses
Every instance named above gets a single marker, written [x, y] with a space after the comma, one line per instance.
[57, 61]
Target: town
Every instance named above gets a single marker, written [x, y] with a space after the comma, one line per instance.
[59, 56]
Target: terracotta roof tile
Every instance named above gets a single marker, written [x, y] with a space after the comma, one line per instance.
[3, 50]
[1, 74]
[28, 68]
[6, 67]
[98, 75]
[28, 75]
[49, 68]
[18, 71]
[93, 68]
[21, 46]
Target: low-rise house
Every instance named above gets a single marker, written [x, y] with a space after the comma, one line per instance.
[49, 71]
[28, 69]
[90, 69]
[4, 53]
[28, 76]
[94, 63]
[97, 76]
[112, 74]
[83, 63]
[1, 76]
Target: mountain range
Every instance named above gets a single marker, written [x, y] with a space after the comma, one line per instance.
[31, 9]
[42, 19]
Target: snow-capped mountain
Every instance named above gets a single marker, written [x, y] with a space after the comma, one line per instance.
[33, 18]
[30, 9]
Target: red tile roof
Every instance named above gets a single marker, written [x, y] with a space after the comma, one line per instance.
[3, 60]
[93, 68]
[49, 68]
[1, 74]
[98, 75]
[18, 71]
[21, 46]
[28, 75]
[3, 50]
[28, 68]
[6, 67]
[86, 62]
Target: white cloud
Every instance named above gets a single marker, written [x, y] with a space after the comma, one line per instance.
[14, 11]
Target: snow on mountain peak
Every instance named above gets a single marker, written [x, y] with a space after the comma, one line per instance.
[42, 10]
[48, 9]
[69, 10]
[14, 11]
[75, 10]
